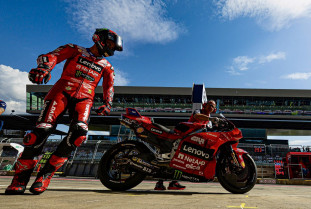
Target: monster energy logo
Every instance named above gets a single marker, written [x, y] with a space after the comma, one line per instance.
[86, 76]
[177, 174]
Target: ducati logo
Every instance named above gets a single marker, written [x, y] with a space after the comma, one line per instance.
[52, 111]
[86, 112]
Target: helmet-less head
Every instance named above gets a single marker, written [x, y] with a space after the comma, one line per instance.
[209, 107]
[107, 42]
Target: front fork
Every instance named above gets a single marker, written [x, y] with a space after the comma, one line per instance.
[237, 156]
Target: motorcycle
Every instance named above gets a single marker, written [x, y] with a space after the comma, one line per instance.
[192, 152]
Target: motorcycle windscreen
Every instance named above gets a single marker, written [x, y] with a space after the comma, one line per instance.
[133, 112]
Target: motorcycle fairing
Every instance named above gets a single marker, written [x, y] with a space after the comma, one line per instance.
[194, 153]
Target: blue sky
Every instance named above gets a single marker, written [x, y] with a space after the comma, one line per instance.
[174, 43]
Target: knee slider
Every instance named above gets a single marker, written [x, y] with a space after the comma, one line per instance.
[41, 131]
[79, 131]
[30, 139]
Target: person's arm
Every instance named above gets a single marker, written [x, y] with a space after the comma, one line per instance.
[204, 117]
[108, 92]
[46, 63]
[1, 110]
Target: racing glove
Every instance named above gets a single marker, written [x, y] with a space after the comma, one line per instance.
[39, 75]
[104, 109]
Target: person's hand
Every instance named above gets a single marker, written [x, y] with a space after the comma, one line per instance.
[39, 75]
[104, 109]
[216, 120]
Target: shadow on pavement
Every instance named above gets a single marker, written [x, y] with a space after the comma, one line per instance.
[137, 192]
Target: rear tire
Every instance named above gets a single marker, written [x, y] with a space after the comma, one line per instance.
[120, 177]
[237, 182]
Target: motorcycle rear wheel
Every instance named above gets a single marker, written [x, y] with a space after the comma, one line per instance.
[234, 181]
[120, 177]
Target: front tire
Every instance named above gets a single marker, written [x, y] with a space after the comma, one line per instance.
[234, 181]
[120, 177]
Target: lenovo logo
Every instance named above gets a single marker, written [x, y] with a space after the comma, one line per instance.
[196, 151]
[90, 64]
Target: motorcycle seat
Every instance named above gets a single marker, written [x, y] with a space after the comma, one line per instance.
[163, 128]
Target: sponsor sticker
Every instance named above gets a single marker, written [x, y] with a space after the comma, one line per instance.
[189, 159]
[128, 121]
[197, 140]
[84, 75]
[193, 167]
[196, 151]
[52, 111]
[156, 131]
[140, 130]
[68, 88]
[179, 161]
[86, 112]
[177, 174]
[191, 178]
[87, 63]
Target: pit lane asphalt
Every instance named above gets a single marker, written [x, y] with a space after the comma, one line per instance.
[90, 193]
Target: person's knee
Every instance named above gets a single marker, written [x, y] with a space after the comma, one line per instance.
[39, 134]
[35, 140]
[76, 136]
[79, 132]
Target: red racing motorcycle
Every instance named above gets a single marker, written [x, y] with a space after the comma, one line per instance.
[191, 152]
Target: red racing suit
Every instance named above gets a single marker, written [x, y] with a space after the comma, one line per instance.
[193, 120]
[74, 92]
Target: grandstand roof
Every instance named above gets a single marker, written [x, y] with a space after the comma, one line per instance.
[188, 91]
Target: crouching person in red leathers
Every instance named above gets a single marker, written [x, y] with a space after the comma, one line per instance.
[74, 92]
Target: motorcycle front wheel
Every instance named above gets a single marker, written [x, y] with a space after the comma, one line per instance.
[235, 180]
[120, 177]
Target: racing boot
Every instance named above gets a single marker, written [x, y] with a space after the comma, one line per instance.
[44, 176]
[23, 171]
[159, 185]
[174, 185]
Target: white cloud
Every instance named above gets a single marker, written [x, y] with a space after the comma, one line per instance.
[242, 63]
[297, 76]
[121, 78]
[13, 88]
[271, 57]
[134, 20]
[231, 70]
[271, 14]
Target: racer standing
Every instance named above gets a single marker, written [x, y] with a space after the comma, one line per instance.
[74, 92]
